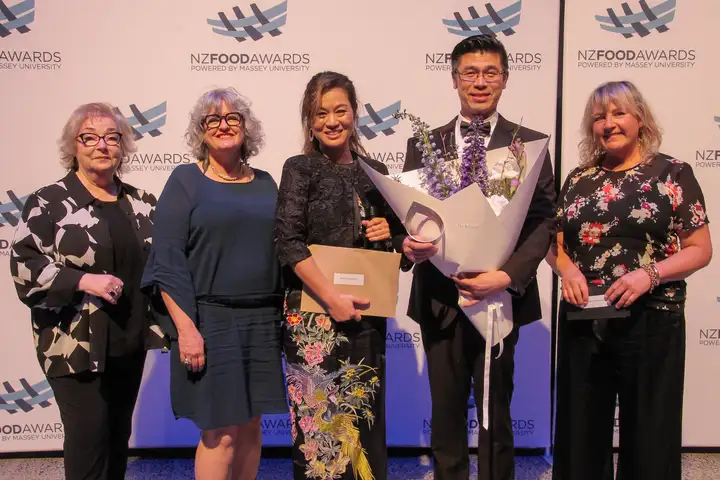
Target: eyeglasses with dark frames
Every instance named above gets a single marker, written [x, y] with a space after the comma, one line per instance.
[472, 76]
[233, 119]
[111, 139]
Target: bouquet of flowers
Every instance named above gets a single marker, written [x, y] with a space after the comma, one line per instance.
[461, 204]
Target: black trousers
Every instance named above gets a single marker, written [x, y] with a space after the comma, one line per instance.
[96, 411]
[455, 356]
[641, 362]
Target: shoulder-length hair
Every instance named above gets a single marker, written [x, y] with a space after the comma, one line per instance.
[211, 102]
[319, 85]
[68, 139]
[626, 95]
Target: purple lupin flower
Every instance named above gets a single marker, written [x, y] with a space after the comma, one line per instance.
[437, 177]
[473, 168]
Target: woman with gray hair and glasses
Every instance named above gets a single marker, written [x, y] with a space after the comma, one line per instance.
[216, 279]
[77, 260]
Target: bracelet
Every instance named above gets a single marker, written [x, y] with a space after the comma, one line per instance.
[654, 275]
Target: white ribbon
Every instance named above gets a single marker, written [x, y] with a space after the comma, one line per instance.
[494, 310]
[493, 319]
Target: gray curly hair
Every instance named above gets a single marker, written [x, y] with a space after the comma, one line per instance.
[68, 139]
[211, 102]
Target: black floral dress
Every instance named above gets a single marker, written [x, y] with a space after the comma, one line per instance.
[335, 371]
[614, 222]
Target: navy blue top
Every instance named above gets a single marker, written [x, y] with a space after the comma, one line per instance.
[214, 240]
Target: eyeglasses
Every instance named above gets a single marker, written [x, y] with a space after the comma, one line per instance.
[91, 139]
[472, 76]
[233, 119]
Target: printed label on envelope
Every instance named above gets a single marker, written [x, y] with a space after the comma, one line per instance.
[367, 274]
[597, 301]
[357, 279]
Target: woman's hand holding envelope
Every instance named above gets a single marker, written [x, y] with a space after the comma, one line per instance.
[574, 285]
[342, 307]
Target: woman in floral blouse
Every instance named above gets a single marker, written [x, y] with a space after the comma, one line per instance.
[335, 366]
[632, 228]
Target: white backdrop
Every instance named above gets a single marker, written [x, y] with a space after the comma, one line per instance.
[153, 59]
[662, 47]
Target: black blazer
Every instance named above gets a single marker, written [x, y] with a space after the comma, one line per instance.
[433, 298]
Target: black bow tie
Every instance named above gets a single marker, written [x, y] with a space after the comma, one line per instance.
[465, 126]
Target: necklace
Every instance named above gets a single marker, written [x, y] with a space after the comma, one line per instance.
[225, 177]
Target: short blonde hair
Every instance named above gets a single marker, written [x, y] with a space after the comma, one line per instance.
[211, 102]
[68, 139]
[625, 94]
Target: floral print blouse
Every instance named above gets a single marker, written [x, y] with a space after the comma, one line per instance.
[617, 221]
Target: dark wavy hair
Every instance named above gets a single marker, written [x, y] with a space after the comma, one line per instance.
[319, 85]
[479, 43]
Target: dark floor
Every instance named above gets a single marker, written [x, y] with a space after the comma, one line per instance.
[695, 467]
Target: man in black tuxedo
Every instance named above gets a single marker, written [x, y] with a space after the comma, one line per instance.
[454, 348]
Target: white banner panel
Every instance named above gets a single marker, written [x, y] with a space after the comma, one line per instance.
[662, 46]
[153, 59]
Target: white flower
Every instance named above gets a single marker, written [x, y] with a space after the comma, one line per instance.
[495, 175]
[507, 169]
[498, 203]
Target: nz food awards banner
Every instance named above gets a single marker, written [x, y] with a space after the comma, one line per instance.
[154, 59]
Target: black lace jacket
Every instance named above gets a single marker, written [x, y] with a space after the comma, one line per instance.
[318, 203]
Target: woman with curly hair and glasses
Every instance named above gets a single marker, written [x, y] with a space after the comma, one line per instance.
[214, 267]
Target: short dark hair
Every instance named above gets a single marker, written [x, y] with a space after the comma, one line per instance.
[479, 43]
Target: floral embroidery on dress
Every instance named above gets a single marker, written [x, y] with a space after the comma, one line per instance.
[328, 405]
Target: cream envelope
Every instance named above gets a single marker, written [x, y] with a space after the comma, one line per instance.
[365, 273]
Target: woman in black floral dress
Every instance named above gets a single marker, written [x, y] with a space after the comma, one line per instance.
[632, 228]
[335, 366]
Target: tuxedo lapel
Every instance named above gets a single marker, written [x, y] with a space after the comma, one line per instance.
[502, 135]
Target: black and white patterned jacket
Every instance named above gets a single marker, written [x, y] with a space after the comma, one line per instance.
[60, 238]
